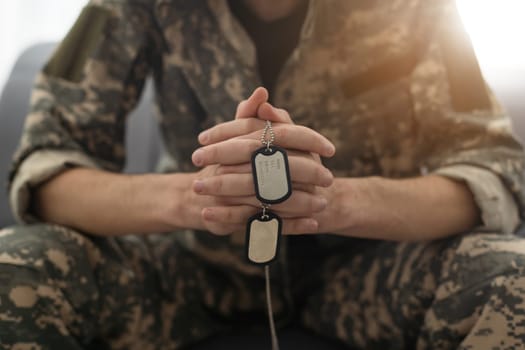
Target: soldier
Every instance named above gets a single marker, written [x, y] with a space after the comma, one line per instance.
[405, 228]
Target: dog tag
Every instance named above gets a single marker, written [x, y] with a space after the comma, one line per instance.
[262, 237]
[271, 175]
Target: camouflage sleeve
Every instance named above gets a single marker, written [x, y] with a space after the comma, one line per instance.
[82, 96]
[462, 131]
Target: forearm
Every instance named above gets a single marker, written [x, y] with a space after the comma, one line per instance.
[422, 208]
[106, 203]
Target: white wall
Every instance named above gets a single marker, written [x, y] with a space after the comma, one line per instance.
[25, 22]
[497, 30]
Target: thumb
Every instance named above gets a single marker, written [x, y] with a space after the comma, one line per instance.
[268, 112]
[248, 108]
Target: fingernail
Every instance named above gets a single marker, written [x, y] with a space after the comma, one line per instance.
[330, 150]
[197, 157]
[198, 186]
[204, 137]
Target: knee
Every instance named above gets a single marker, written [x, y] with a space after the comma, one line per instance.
[40, 247]
[480, 273]
[47, 285]
[474, 267]
[478, 257]
[40, 259]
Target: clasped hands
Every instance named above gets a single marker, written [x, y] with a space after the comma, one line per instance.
[224, 186]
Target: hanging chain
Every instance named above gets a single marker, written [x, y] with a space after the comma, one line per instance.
[273, 332]
[268, 136]
[265, 207]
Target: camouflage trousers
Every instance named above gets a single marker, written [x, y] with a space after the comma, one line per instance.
[63, 290]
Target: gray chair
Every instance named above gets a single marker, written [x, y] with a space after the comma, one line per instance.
[143, 147]
[142, 134]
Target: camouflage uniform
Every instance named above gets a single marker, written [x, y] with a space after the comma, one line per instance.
[394, 85]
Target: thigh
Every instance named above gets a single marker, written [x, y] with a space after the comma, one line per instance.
[479, 301]
[467, 290]
[63, 289]
[375, 297]
[48, 287]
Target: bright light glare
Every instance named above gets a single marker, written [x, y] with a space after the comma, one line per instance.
[497, 30]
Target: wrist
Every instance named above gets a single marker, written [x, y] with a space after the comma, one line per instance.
[179, 207]
[352, 202]
[335, 217]
[421, 208]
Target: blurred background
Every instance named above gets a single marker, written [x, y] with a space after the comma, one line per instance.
[27, 22]
[497, 31]
[496, 27]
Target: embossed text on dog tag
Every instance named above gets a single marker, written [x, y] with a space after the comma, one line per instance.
[271, 175]
[262, 237]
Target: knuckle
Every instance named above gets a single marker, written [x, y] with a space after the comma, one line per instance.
[282, 132]
[217, 184]
[313, 205]
[253, 144]
[318, 175]
[229, 215]
[249, 184]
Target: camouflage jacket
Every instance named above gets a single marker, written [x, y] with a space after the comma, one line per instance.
[394, 85]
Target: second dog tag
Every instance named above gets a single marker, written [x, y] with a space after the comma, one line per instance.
[262, 237]
[271, 175]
